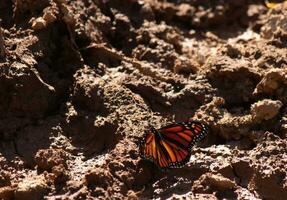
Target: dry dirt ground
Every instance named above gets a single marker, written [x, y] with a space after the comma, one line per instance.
[80, 81]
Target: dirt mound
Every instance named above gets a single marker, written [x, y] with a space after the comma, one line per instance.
[80, 82]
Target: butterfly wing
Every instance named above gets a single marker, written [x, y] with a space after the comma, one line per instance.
[173, 148]
[177, 140]
[147, 146]
[151, 149]
[185, 133]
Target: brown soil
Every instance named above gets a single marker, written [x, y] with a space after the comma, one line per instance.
[80, 81]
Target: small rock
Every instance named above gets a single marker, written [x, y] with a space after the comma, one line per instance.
[185, 66]
[46, 159]
[213, 181]
[99, 177]
[31, 188]
[265, 109]
[49, 17]
[39, 24]
[272, 81]
[220, 182]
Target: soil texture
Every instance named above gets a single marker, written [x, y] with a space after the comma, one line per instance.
[81, 80]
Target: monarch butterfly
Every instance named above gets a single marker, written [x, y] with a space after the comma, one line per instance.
[170, 146]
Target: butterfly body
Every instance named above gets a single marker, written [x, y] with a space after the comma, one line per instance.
[170, 146]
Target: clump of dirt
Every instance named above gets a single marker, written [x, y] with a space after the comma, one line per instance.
[80, 82]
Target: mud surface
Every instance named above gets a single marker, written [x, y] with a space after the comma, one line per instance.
[81, 80]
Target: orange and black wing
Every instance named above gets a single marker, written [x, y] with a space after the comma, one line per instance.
[151, 149]
[177, 140]
[173, 148]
